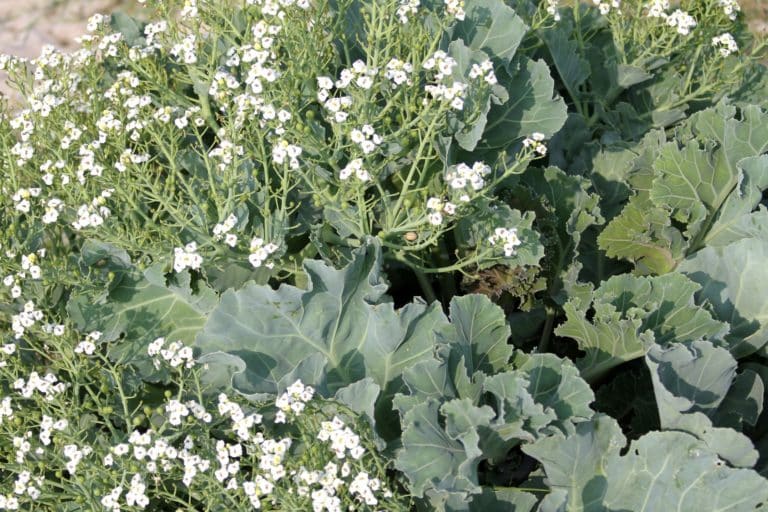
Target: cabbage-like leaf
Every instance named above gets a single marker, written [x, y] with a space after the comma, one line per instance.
[571, 67]
[343, 318]
[690, 382]
[734, 286]
[532, 106]
[437, 456]
[660, 471]
[708, 180]
[477, 335]
[144, 306]
[564, 210]
[491, 26]
[631, 313]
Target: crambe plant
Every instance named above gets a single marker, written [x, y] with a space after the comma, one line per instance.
[387, 255]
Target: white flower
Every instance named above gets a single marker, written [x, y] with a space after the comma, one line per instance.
[682, 20]
[406, 8]
[731, 8]
[725, 44]
[507, 238]
[187, 257]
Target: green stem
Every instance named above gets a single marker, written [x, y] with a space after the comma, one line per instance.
[426, 286]
[546, 334]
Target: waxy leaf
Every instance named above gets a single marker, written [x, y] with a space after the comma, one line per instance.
[343, 319]
[143, 307]
[491, 26]
[631, 313]
[532, 106]
[660, 471]
[690, 382]
[734, 285]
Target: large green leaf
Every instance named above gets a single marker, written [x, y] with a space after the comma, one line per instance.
[555, 383]
[437, 456]
[734, 286]
[491, 26]
[532, 106]
[564, 210]
[478, 335]
[643, 234]
[144, 306]
[572, 69]
[343, 318]
[690, 382]
[631, 313]
[660, 471]
[705, 185]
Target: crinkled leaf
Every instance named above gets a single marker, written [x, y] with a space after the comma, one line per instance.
[145, 306]
[630, 313]
[734, 287]
[660, 471]
[564, 210]
[556, 384]
[697, 180]
[642, 234]
[478, 335]
[690, 381]
[342, 316]
[431, 457]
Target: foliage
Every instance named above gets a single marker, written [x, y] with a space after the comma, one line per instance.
[238, 239]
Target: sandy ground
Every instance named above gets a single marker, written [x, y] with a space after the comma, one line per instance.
[27, 25]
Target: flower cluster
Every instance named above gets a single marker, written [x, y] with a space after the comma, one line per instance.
[535, 141]
[366, 138]
[731, 8]
[605, 7]
[282, 151]
[293, 401]
[354, 167]
[88, 345]
[484, 70]
[455, 8]
[29, 270]
[407, 8]
[507, 238]
[175, 353]
[186, 257]
[725, 44]
[241, 423]
[436, 207]
[342, 439]
[463, 175]
[681, 20]
[93, 214]
[360, 74]
[334, 105]
[25, 319]
[222, 230]
[552, 9]
[399, 72]
[260, 252]
[442, 63]
[455, 93]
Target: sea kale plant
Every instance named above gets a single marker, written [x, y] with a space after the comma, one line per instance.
[479, 255]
